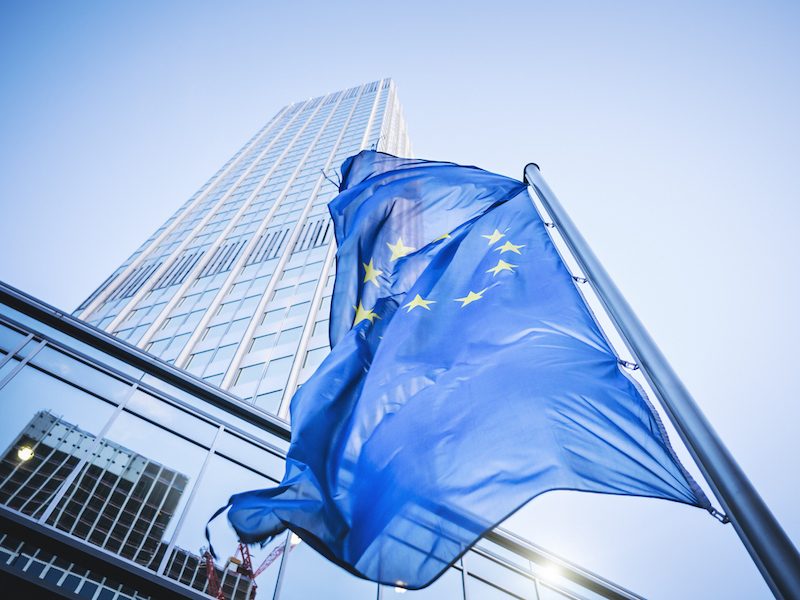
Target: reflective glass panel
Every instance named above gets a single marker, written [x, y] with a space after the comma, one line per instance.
[556, 577]
[508, 555]
[309, 575]
[197, 362]
[271, 565]
[222, 479]
[28, 348]
[321, 328]
[298, 310]
[478, 590]
[8, 367]
[499, 575]
[9, 339]
[315, 357]
[179, 340]
[238, 325]
[167, 415]
[48, 426]
[290, 335]
[249, 374]
[81, 374]
[68, 340]
[279, 367]
[306, 287]
[270, 401]
[225, 353]
[448, 587]
[158, 470]
[549, 594]
[263, 342]
[282, 293]
[255, 457]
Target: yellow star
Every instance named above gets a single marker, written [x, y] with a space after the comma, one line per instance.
[441, 237]
[494, 237]
[372, 273]
[398, 250]
[501, 266]
[418, 301]
[471, 297]
[362, 314]
[509, 247]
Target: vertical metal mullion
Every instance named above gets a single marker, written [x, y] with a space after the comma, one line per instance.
[158, 510]
[21, 364]
[161, 281]
[35, 471]
[189, 500]
[196, 574]
[386, 123]
[287, 547]
[98, 290]
[60, 493]
[141, 508]
[224, 578]
[82, 462]
[14, 350]
[227, 382]
[278, 245]
[258, 248]
[131, 284]
[378, 93]
[75, 489]
[233, 254]
[305, 338]
[226, 251]
[93, 526]
[19, 547]
[230, 374]
[115, 521]
[464, 577]
[182, 570]
[91, 495]
[297, 363]
[119, 291]
[114, 487]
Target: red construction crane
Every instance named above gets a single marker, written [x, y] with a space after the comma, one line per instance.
[244, 566]
[214, 587]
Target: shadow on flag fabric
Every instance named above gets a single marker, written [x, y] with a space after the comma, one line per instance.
[466, 378]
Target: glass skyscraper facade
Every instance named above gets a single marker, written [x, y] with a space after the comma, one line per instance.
[235, 287]
[127, 424]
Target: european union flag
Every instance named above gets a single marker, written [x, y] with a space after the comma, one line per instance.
[470, 380]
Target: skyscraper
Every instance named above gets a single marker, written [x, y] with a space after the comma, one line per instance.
[126, 425]
[235, 287]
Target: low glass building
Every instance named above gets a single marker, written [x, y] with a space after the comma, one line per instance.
[113, 460]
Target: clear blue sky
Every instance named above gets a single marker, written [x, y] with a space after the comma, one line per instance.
[669, 131]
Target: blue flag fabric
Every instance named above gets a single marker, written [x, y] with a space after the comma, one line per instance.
[473, 379]
[398, 205]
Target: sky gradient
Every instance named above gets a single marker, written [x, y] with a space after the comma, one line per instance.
[669, 132]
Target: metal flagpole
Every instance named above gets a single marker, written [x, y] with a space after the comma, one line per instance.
[768, 545]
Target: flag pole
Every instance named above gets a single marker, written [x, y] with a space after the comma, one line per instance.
[765, 540]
